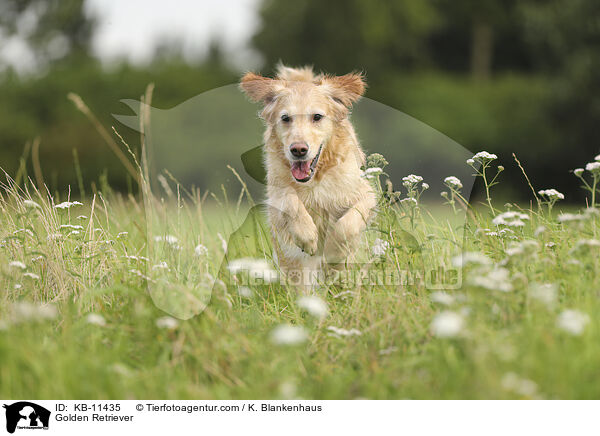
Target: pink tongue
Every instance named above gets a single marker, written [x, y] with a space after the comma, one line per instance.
[301, 170]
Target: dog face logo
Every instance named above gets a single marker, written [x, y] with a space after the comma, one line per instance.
[26, 415]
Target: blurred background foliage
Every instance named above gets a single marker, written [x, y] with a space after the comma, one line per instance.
[496, 75]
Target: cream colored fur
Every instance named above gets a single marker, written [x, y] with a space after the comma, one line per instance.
[320, 221]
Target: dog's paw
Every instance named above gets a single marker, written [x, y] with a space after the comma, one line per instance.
[348, 227]
[343, 238]
[305, 235]
[334, 250]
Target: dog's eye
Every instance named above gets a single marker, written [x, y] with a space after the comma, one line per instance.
[286, 118]
[317, 117]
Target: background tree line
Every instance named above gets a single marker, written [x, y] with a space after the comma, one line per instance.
[504, 76]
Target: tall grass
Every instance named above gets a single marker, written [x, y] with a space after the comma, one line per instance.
[129, 296]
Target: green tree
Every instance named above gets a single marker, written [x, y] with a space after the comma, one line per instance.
[342, 35]
[51, 29]
[565, 39]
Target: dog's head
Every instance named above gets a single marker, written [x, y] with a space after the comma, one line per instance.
[303, 111]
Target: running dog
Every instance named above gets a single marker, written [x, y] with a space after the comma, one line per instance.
[318, 202]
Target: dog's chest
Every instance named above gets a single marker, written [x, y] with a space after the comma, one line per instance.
[331, 197]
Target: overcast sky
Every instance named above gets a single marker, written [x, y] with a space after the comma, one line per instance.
[132, 28]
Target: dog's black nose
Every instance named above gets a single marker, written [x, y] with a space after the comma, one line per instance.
[299, 149]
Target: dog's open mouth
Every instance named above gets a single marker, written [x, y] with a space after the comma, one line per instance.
[303, 171]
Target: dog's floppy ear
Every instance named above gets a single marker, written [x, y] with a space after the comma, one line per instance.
[258, 88]
[346, 89]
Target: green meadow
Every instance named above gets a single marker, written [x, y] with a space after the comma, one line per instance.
[130, 296]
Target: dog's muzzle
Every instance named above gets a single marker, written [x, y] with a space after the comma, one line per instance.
[303, 171]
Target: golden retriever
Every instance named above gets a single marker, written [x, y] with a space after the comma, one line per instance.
[318, 202]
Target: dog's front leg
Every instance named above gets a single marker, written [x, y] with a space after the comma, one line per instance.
[345, 232]
[291, 222]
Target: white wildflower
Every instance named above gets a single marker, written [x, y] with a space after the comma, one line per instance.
[527, 247]
[287, 390]
[411, 200]
[200, 250]
[122, 234]
[286, 334]
[72, 227]
[95, 319]
[510, 219]
[315, 306]
[17, 286]
[379, 247]
[442, 298]
[593, 167]
[495, 280]
[82, 217]
[166, 322]
[573, 321]
[539, 230]
[504, 232]
[447, 324]
[24, 311]
[341, 332]
[169, 239]
[522, 386]
[470, 257]
[552, 194]
[569, 217]
[17, 264]
[513, 251]
[67, 204]
[470, 161]
[585, 246]
[121, 369]
[547, 293]
[161, 265]
[245, 291]
[31, 275]
[138, 273]
[484, 156]
[412, 179]
[597, 158]
[370, 173]
[453, 182]
[257, 268]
